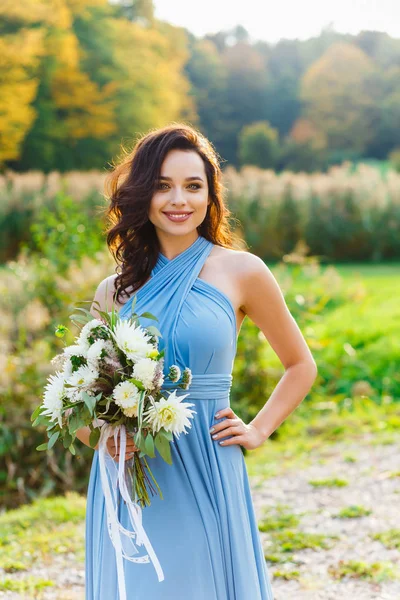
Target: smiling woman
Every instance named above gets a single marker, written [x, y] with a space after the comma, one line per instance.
[169, 230]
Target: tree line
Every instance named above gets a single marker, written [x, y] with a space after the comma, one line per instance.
[80, 78]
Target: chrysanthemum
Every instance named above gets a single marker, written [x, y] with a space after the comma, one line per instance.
[170, 413]
[133, 341]
[86, 331]
[144, 370]
[95, 350]
[53, 397]
[75, 350]
[80, 380]
[127, 395]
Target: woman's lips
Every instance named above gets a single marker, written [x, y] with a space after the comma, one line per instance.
[177, 217]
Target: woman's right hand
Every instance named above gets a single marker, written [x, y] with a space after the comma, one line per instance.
[130, 447]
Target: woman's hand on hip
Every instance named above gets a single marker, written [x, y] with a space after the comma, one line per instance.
[247, 436]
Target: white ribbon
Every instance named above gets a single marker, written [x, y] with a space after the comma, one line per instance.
[122, 538]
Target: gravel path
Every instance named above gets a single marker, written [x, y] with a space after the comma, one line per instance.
[373, 483]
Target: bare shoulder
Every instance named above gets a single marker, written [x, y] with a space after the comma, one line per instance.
[237, 270]
[104, 295]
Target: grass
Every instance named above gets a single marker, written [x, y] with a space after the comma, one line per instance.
[376, 572]
[389, 538]
[35, 533]
[353, 512]
[278, 519]
[329, 482]
[29, 585]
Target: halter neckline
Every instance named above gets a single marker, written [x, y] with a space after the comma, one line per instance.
[197, 242]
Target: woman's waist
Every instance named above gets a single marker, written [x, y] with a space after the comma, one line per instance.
[205, 386]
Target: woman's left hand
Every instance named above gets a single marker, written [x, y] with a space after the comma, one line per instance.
[247, 436]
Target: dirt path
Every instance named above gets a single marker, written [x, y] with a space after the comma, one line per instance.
[373, 475]
[291, 509]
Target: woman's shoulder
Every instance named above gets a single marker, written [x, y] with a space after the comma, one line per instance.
[241, 262]
[104, 295]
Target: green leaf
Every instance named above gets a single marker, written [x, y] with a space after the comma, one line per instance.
[67, 441]
[163, 446]
[53, 438]
[149, 445]
[148, 315]
[94, 436]
[74, 423]
[42, 447]
[78, 319]
[36, 412]
[90, 402]
[168, 434]
[138, 383]
[72, 449]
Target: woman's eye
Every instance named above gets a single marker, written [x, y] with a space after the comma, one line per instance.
[197, 186]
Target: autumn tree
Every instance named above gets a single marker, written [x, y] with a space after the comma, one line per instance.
[337, 99]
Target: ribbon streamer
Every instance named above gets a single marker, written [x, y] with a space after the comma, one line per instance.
[122, 538]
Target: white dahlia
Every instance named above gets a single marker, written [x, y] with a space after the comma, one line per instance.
[133, 341]
[144, 370]
[53, 397]
[86, 331]
[95, 350]
[79, 381]
[170, 413]
[75, 350]
[127, 395]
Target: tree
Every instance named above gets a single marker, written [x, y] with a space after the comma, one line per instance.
[259, 145]
[337, 99]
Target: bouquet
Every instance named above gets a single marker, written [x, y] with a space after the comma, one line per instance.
[110, 379]
[114, 372]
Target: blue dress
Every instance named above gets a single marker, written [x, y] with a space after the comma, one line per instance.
[204, 530]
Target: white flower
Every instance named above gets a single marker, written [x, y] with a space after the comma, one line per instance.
[95, 350]
[79, 381]
[86, 331]
[127, 395]
[67, 369]
[53, 397]
[75, 350]
[144, 370]
[133, 341]
[170, 413]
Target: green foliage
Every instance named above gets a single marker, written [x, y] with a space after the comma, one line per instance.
[329, 482]
[377, 571]
[259, 145]
[389, 538]
[64, 230]
[353, 512]
[278, 519]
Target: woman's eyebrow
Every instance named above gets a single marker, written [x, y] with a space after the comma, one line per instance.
[186, 179]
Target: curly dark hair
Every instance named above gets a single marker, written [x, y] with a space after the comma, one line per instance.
[130, 186]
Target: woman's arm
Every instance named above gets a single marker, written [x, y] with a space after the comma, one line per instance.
[266, 307]
[263, 301]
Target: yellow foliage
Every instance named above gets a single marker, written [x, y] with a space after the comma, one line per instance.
[335, 91]
[19, 56]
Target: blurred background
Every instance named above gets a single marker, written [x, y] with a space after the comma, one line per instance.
[302, 102]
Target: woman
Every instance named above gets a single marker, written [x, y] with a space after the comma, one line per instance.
[170, 235]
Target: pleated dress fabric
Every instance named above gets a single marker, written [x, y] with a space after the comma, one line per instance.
[204, 530]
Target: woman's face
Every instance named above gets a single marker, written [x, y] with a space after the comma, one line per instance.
[179, 204]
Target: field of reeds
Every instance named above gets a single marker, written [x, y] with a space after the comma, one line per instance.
[350, 213]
